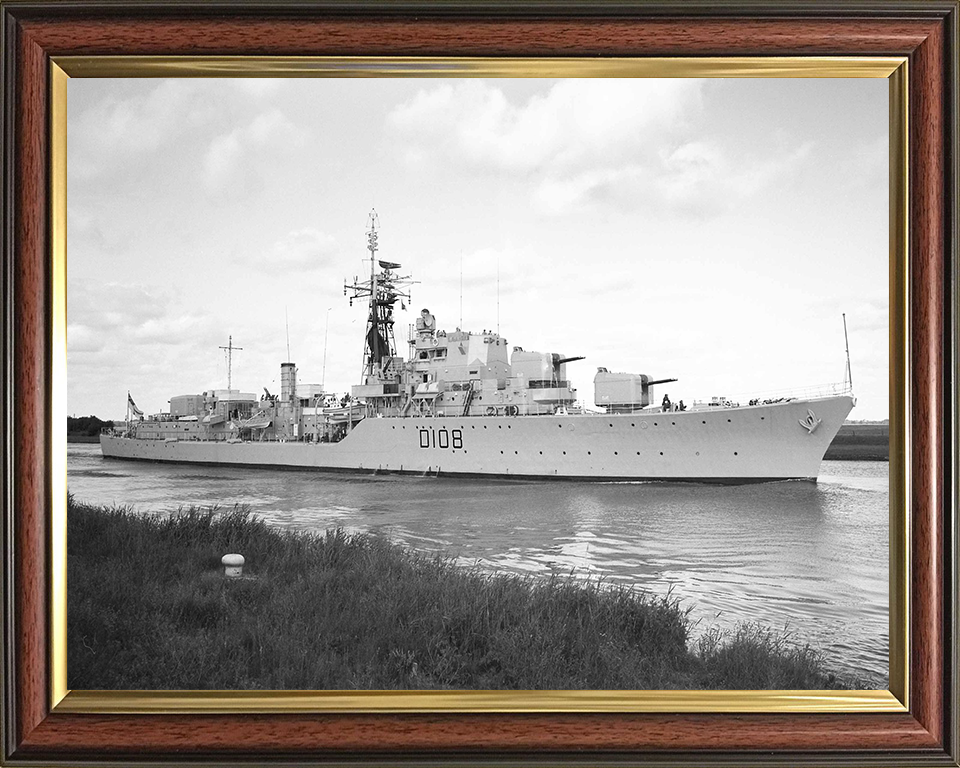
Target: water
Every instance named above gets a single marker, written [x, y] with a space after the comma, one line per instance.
[808, 558]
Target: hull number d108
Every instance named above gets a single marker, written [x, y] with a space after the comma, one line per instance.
[441, 438]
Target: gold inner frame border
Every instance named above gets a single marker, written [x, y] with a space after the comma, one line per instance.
[895, 699]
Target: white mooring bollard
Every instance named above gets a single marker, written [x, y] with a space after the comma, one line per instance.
[232, 565]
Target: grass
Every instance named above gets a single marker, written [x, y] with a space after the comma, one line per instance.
[149, 608]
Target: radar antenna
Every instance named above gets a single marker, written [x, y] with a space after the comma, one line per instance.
[384, 289]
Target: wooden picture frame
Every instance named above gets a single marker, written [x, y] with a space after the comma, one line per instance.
[37, 730]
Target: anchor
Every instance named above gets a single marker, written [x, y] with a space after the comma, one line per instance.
[810, 423]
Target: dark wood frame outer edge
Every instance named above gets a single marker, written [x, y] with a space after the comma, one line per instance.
[926, 32]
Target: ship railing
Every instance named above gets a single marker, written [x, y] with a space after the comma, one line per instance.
[777, 395]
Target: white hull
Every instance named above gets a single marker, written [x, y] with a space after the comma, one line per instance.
[744, 444]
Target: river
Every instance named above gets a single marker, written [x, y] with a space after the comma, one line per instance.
[807, 558]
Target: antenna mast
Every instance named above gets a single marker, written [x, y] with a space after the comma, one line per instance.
[323, 375]
[848, 376]
[498, 295]
[286, 320]
[229, 350]
[384, 290]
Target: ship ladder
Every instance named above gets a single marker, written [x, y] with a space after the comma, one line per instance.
[467, 399]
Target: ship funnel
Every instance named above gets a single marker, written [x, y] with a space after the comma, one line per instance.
[288, 382]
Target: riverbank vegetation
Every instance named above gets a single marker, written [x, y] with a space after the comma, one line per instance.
[149, 608]
[861, 441]
[85, 429]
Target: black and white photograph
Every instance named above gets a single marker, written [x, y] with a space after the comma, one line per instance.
[494, 384]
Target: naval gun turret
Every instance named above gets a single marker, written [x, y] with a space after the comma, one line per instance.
[624, 392]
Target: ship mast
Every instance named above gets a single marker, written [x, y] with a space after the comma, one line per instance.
[384, 289]
[229, 350]
[848, 374]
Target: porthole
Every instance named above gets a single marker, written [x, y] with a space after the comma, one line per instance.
[564, 453]
[541, 453]
[735, 453]
[632, 424]
[615, 453]
[515, 452]
[638, 453]
[611, 425]
[728, 421]
[661, 453]
[673, 423]
[501, 453]
[499, 426]
[703, 422]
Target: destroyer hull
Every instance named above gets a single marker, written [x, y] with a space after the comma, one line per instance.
[758, 443]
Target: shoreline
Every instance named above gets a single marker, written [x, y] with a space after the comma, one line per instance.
[860, 442]
[150, 608]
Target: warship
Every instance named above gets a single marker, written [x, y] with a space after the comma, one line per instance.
[467, 404]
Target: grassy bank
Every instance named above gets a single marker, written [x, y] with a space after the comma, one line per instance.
[149, 608]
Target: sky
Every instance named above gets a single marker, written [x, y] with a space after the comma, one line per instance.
[712, 231]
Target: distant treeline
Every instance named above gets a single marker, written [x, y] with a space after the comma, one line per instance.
[861, 441]
[85, 426]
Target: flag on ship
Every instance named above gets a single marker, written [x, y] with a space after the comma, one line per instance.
[133, 406]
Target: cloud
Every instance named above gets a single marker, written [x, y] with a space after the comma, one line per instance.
[483, 269]
[576, 122]
[115, 129]
[136, 336]
[102, 314]
[87, 235]
[224, 129]
[233, 159]
[304, 249]
[694, 179]
[588, 142]
[868, 165]
[257, 87]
